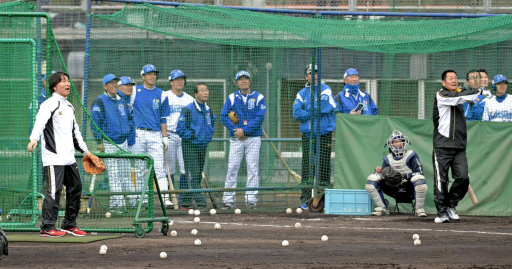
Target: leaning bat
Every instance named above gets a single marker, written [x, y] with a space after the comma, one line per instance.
[171, 186]
[472, 195]
[212, 195]
[295, 176]
[91, 189]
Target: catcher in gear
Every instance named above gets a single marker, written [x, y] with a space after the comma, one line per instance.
[93, 165]
[399, 167]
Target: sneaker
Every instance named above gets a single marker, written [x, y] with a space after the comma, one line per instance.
[452, 213]
[251, 205]
[444, 219]
[379, 211]
[52, 233]
[420, 212]
[168, 203]
[304, 206]
[74, 231]
[228, 206]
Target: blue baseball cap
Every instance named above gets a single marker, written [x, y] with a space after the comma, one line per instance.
[242, 74]
[53, 72]
[350, 72]
[125, 81]
[108, 78]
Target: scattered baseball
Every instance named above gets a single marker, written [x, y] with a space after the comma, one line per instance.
[103, 251]
[325, 238]
[171, 222]
[197, 242]
[197, 219]
[217, 226]
[193, 232]
[437, 220]
[285, 243]
[415, 236]
[417, 242]
[299, 210]
[8, 217]
[213, 211]
[297, 225]
[108, 215]
[104, 247]
[191, 212]
[238, 211]
[197, 212]
[174, 233]
[288, 211]
[163, 255]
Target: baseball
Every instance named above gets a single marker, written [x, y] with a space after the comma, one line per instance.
[104, 247]
[217, 226]
[437, 220]
[8, 217]
[297, 225]
[197, 212]
[197, 219]
[238, 211]
[285, 243]
[288, 211]
[103, 251]
[191, 212]
[193, 232]
[108, 214]
[197, 242]
[415, 236]
[417, 242]
[299, 210]
[174, 233]
[171, 222]
[163, 255]
[213, 211]
[325, 238]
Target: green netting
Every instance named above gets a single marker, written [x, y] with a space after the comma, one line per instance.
[18, 6]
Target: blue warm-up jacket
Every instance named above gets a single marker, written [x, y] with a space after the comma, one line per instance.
[113, 117]
[251, 113]
[302, 110]
[196, 124]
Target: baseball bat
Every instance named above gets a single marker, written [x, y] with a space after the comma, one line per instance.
[210, 194]
[91, 189]
[171, 186]
[472, 195]
[295, 176]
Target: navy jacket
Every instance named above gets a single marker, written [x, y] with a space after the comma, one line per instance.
[196, 124]
[113, 117]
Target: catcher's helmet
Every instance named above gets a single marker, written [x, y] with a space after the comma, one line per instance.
[242, 73]
[148, 68]
[176, 73]
[350, 72]
[497, 79]
[399, 152]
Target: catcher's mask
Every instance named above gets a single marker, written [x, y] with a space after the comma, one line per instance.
[399, 152]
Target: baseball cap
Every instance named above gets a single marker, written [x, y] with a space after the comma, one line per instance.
[350, 72]
[241, 74]
[53, 72]
[125, 81]
[108, 78]
[308, 69]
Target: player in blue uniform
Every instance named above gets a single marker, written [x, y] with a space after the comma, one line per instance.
[302, 112]
[499, 107]
[150, 110]
[348, 99]
[250, 108]
[407, 163]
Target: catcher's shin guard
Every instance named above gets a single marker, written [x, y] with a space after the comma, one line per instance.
[376, 196]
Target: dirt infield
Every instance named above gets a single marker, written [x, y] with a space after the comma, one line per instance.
[254, 241]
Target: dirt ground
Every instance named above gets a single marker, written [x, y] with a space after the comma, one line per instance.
[255, 241]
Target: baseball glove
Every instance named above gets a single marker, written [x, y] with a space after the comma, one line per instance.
[233, 117]
[391, 177]
[93, 165]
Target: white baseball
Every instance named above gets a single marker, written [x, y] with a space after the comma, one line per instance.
[197, 242]
[191, 212]
[103, 251]
[163, 255]
[437, 220]
[197, 212]
[285, 243]
[171, 222]
[325, 238]
[217, 226]
[299, 210]
[288, 211]
[415, 236]
[108, 214]
[104, 247]
[238, 211]
[174, 233]
[193, 232]
[417, 242]
[213, 211]
[297, 225]
[8, 217]
[197, 219]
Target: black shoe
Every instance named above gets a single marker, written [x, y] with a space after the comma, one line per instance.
[228, 206]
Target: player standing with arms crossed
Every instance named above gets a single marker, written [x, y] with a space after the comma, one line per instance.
[60, 135]
[150, 110]
[178, 99]
[450, 139]
[246, 134]
[499, 107]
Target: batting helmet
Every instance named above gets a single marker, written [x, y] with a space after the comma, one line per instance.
[176, 73]
[242, 73]
[125, 81]
[148, 68]
[350, 72]
[497, 79]
[399, 152]
[308, 69]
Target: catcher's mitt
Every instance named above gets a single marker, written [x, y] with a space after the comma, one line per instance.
[233, 117]
[93, 165]
[391, 177]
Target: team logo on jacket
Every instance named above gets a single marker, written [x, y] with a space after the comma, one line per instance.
[208, 119]
[252, 101]
[156, 103]
[121, 109]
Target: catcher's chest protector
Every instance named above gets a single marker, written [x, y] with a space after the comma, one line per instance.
[400, 165]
